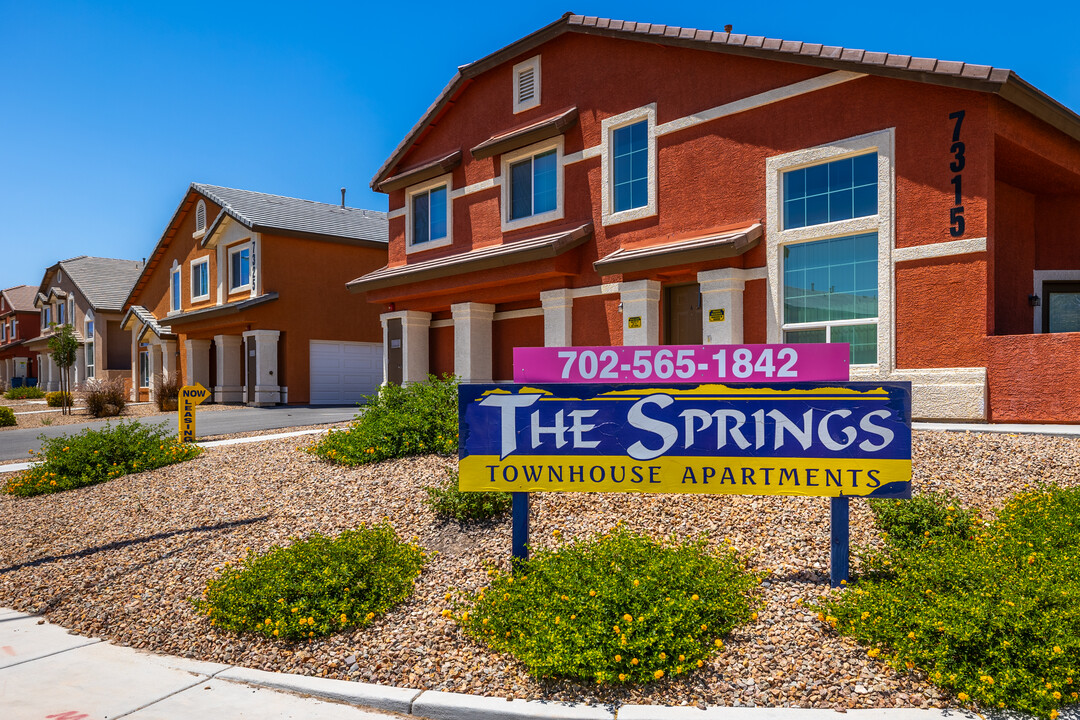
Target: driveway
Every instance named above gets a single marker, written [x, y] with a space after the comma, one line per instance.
[17, 444]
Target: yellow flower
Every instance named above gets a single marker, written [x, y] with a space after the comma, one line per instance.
[700, 663]
[344, 617]
[1053, 714]
[987, 679]
[911, 636]
[658, 674]
[865, 615]
[615, 628]
[873, 652]
[592, 593]
[633, 661]
[557, 619]
[1057, 650]
[628, 618]
[564, 598]
[962, 697]
[753, 616]
[622, 677]
[446, 613]
[719, 643]
[636, 583]
[618, 658]
[694, 597]
[682, 658]
[1057, 695]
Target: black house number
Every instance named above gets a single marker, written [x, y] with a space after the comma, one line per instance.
[956, 166]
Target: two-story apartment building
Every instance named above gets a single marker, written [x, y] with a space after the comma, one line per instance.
[602, 182]
[87, 293]
[18, 324]
[245, 294]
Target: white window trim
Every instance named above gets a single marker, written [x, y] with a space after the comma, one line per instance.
[90, 345]
[424, 187]
[176, 304]
[200, 231]
[1045, 276]
[607, 168]
[239, 247]
[205, 260]
[534, 64]
[884, 142]
[508, 159]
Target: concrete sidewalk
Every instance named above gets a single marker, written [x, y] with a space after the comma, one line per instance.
[47, 672]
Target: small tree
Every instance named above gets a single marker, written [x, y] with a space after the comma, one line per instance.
[63, 347]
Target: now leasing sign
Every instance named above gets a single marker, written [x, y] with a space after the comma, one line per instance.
[813, 439]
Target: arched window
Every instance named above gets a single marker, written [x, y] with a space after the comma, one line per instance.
[200, 217]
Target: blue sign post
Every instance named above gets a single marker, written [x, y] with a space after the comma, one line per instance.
[833, 440]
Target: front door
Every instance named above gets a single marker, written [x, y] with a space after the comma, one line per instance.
[20, 367]
[249, 379]
[682, 315]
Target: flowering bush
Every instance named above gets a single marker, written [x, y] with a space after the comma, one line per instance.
[993, 616]
[7, 417]
[93, 456]
[399, 421]
[25, 393]
[616, 608]
[315, 587]
[447, 501]
[58, 399]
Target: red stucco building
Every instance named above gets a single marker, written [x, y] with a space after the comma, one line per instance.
[602, 182]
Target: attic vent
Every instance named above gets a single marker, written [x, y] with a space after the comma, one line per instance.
[527, 84]
[200, 217]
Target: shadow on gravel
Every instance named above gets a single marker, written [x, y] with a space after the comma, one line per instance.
[134, 541]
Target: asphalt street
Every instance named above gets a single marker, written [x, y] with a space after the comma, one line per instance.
[17, 444]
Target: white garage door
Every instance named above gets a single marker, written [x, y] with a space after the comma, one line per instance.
[341, 372]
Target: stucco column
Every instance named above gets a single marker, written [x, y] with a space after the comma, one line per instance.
[168, 357]
[228, 387]
[197, 369]
[415, 330]
[267, 388]
[472, 341]
[54, 374]
[641, 312]
[78, 370]
[722, 306]
[558, 317]
[136, 328]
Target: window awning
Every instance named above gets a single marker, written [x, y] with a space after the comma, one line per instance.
[534, 132]
[485, 258]
[715, 246]
[420, 173]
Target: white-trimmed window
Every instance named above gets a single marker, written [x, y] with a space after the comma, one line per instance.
[60, 308]
[46, 316]
[175, 295]
[3, 332]
[144, 366]
[200, 279]
[14, 330]
[89, 346]
[628, 165]
[429, 215]
[527, 84]
[240, 267]
[200, 219]
[532, 184]
[829, 252]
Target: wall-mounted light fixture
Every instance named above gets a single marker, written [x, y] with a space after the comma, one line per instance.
[620, 308]
[1034, 301]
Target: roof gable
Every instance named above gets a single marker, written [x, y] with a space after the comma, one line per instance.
[21, 298]
[981, 78]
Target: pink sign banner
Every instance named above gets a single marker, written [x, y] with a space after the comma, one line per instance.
[807, 362]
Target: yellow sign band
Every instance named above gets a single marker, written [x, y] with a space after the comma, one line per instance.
[818, 477]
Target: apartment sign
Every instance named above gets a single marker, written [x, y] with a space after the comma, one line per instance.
[805, 439]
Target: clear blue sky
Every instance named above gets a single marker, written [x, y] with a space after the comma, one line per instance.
[109, 110]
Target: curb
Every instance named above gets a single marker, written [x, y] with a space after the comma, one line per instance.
[378, 697]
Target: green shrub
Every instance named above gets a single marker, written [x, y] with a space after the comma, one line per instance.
[616, 608]
[25, 393]
[97, 455]
[910, 522]
[994, 618]
[447, 501]
[7, 417]
[315, 587]
[58, 399]
[399, 421]
[105, 398]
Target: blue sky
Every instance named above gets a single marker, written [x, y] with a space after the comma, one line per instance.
[109, 110]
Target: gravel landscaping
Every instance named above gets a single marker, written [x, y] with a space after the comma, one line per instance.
[121, 560]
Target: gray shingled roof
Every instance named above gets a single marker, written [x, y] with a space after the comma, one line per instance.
[105, 282]
[260, 211]
[146, 318]
[21, 298]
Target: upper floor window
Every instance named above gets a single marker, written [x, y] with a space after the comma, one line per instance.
[829, 192]
[3, 332]
[429, 214]
[46, 316]
[628, 165]
[240, 268]
[14, 329]
[200, 217]
[89, 347]
[527, 84]
[174, 285]
[60, 320]
[200, 279]
[533, 184]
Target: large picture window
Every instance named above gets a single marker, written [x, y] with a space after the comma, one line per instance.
[830, 192]
[831, 293]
